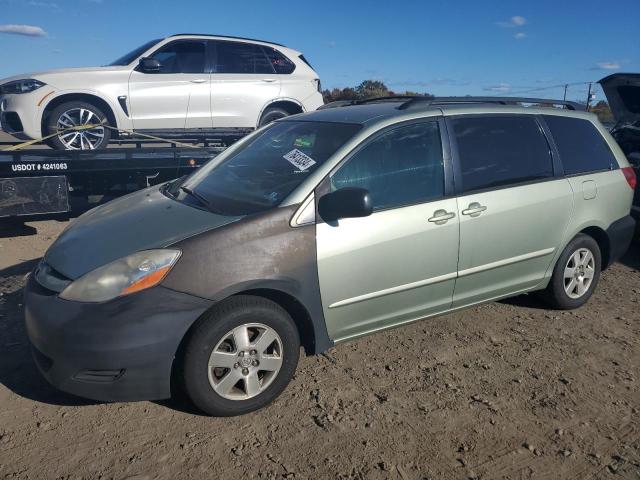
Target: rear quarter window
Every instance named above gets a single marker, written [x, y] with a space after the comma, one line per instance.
[581, 146]
[279, 62]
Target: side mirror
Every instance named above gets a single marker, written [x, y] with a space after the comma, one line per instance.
[345, 203]
[149, 65]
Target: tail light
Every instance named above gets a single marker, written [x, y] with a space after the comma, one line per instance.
[630, 175]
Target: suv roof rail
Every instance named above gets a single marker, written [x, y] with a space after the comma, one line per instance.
[226, 36]
[428, 101]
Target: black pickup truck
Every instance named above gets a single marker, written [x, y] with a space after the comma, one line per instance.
[42, 183]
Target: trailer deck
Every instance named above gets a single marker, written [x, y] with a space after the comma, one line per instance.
[40, 182]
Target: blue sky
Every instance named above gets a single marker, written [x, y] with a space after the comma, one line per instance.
[454, 47]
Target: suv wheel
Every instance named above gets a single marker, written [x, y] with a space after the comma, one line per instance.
[575, 275]
[271, 115]
[240, 357]
[73, 114]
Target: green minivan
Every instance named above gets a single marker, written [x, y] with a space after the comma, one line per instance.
[321, 228]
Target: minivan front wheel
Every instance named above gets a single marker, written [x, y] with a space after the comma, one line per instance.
[240, 357]
[576, 274]
[68, 115]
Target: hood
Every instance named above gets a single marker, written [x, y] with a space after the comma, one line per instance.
[63, 71]
[623, 94]
[141, 221]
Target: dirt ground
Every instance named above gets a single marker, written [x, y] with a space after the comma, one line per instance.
[505, 390]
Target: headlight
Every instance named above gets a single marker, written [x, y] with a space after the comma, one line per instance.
[21, 86]
[130, 274]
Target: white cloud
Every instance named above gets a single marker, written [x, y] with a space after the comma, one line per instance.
[513, 22]
[35, 3]
[499, 88]
[430, 83]
[608, 65]
[26, 30]
[520, 35]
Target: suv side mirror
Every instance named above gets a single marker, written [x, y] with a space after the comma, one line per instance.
[149, 65]
[345, 203]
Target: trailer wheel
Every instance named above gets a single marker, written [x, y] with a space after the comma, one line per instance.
[75, 114]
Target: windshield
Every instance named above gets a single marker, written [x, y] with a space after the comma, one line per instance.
[133, 54]
[270, 167]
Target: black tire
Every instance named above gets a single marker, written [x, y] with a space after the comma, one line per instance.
[54, 115]
[214, 328]
[555, 294]
[271, 115]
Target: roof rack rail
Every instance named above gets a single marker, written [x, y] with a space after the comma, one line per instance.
[392, 98]
[346, 103]
[231, 37]
[433, 101]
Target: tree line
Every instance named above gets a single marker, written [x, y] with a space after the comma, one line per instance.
[367, 89]
[377, 88]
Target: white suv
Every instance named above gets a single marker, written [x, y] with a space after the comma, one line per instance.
[181, 86]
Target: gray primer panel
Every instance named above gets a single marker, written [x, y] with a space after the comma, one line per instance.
[258, 252]
[143, 220]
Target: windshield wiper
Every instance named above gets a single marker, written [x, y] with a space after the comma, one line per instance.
[203, 200]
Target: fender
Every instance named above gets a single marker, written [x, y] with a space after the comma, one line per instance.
[276, 100]
[122, 121]
[575, 230]
[257, 253]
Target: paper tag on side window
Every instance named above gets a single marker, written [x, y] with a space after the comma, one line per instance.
[299, 159]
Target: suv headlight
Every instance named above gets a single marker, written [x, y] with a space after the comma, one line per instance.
[21, 86]
[131, 274]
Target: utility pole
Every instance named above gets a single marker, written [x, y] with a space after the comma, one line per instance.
[564, 99]
[588, 96]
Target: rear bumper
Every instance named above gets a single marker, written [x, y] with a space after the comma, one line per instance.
[121, 350]
[620, 235]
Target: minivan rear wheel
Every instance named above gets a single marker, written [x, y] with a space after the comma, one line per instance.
[240, 357]
[575, 275]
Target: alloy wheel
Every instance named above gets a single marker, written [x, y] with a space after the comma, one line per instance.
[82, 139]
[245, 362]
[579, 273]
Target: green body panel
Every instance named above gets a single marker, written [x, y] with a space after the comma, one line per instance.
[509, 246]
[395, 266]
[600, 199]
[391, 267]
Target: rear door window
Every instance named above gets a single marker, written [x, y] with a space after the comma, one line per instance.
[183, 56]
[500, 150]
[238, 57]
[581, 146]
[403, 166]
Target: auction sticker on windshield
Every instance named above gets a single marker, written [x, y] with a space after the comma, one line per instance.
[299, 159]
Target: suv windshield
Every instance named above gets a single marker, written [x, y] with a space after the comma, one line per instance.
[269, 167]
[133, 54]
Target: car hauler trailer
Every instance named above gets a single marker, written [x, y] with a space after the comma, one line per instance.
[44, 183]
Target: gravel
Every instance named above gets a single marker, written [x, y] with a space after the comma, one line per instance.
[504, 390]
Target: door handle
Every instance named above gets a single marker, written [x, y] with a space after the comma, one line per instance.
[440, 217]
[474, 209]
[198, 80]
[269, 80]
